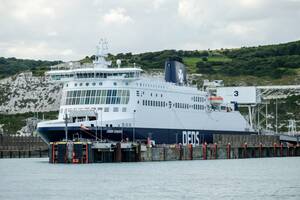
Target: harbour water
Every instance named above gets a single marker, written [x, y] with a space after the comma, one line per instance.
[264, 178]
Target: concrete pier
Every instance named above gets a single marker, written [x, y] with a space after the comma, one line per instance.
[98, 152]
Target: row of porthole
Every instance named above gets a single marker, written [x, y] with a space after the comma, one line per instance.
[142, 93]
[93, 84]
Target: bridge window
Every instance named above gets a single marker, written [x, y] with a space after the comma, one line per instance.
[97, 97]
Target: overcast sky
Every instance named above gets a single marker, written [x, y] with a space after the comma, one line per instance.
[69, 29]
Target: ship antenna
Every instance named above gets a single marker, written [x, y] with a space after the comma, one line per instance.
[101, 54]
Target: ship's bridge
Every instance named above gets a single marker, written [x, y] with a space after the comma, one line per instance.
[94, 73]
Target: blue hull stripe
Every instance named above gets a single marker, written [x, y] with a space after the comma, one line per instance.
[160, 136]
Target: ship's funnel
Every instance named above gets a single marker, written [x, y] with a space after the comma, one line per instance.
[175, 72]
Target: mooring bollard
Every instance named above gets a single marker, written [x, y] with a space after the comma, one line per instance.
[281, 150]
[228, 150]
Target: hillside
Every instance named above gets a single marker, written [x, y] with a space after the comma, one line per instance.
[270, 62]
[13, 66]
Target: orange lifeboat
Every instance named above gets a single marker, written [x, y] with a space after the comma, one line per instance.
[215, 100]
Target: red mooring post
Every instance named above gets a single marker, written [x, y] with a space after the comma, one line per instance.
[275, 150]
[204, 153]
[53, 153]
[228, 150]
[191, 151]
[86, 153]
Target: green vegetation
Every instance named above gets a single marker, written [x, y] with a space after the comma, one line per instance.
[12, 66]
[271, 62]
[267, 62]
[14, 122]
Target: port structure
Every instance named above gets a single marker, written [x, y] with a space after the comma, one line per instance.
[276, 92]
[257, 100]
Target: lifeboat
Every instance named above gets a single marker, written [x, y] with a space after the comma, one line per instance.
[215, 100]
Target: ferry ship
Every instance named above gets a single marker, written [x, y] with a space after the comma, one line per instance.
[120, 103]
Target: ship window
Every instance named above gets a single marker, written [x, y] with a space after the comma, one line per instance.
[97, 96]
[106, 109]
[92, 100]
[115, 83]
[115, 109]
[87, 84]
[80, 84]
[75, 84]
[100, 83]
[124, 109]
[93, 84]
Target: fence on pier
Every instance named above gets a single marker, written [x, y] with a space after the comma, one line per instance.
[22, 146]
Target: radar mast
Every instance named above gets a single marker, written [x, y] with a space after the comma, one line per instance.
[101, 54]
